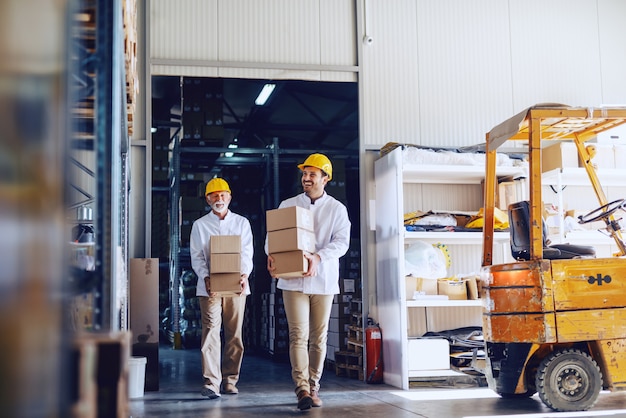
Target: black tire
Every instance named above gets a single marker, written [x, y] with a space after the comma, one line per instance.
[530, 391]
[569, 380]
[524, 395]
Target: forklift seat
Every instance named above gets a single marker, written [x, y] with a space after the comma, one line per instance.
[519, 221]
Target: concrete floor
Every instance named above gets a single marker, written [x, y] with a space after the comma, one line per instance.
[266, 390]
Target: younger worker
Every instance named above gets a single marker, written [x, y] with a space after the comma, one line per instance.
[218, 311]
[308, 300]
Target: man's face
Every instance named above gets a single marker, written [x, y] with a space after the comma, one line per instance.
[219, 201]
[313, 181]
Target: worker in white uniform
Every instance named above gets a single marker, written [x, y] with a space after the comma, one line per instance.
[308, 300]
[220, 370]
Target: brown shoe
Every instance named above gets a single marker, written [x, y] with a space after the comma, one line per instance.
[230, 389]
[315, 399]
[304, 400]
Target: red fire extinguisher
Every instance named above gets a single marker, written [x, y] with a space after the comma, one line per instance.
[374, 352]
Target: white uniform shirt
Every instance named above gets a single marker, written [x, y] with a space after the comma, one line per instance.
[202, 230]
[332, 240]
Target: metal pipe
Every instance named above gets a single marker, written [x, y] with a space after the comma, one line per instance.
[276, 172]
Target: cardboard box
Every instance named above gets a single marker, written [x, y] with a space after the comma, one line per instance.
[290, 264]
[454, 289]
[225, 263]
[144, 294]
[421, 285]
[506, 194]
[426, 286]
[292, 217]
[290, 239]
[224, 244]
[560, 155]
[144, 316]
[226, 283]
[473, 290]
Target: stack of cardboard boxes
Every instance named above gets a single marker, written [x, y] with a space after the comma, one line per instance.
[290, 233]
[225, 273]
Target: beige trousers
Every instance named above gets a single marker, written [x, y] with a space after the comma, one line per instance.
[218, 367]
[307, 317]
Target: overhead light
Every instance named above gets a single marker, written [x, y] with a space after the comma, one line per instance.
[265, 94]
[230, 154]
[153, 129]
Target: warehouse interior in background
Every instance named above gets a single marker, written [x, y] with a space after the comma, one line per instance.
[205, 128]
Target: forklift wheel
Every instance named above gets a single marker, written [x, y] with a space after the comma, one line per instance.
[569, 380]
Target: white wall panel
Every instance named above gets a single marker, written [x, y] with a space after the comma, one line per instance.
[184, 29]
[389, 105]
[464, 70]
[269, 31]
[261, 73]
[555, 52]
[612, 14]
[255, 39]
[337, 32]
[423, 320]
[186, 71]
[287, 74]
[425, 197]
[443, 319]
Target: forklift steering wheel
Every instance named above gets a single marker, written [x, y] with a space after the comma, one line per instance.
[603, 212]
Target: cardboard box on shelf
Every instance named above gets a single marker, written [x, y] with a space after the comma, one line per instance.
[291, 217]
[473, 287]
[290, 264]
[455, 289]
[507, 194]
[225, 263]
[290, 239]
[421, 285]
[225, 283]
[560, 155]
[224, 244]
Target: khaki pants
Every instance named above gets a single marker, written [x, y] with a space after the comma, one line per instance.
[229, 312]
[307, 316]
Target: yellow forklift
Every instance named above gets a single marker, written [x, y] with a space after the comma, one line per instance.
[554, 319]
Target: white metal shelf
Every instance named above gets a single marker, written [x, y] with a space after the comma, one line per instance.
[454, 174]
[577, 176]
[435, 303]
[453, 237]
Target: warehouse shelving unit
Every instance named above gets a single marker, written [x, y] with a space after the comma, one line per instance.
[403, 320]
[101, 97]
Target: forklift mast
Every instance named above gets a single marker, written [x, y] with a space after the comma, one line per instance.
[547, 122]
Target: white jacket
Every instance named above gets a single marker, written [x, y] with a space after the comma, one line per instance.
[202, 230]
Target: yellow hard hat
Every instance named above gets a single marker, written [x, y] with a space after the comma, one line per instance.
[216, 185]
[319, 161]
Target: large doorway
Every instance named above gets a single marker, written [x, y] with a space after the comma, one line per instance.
[206, 127]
